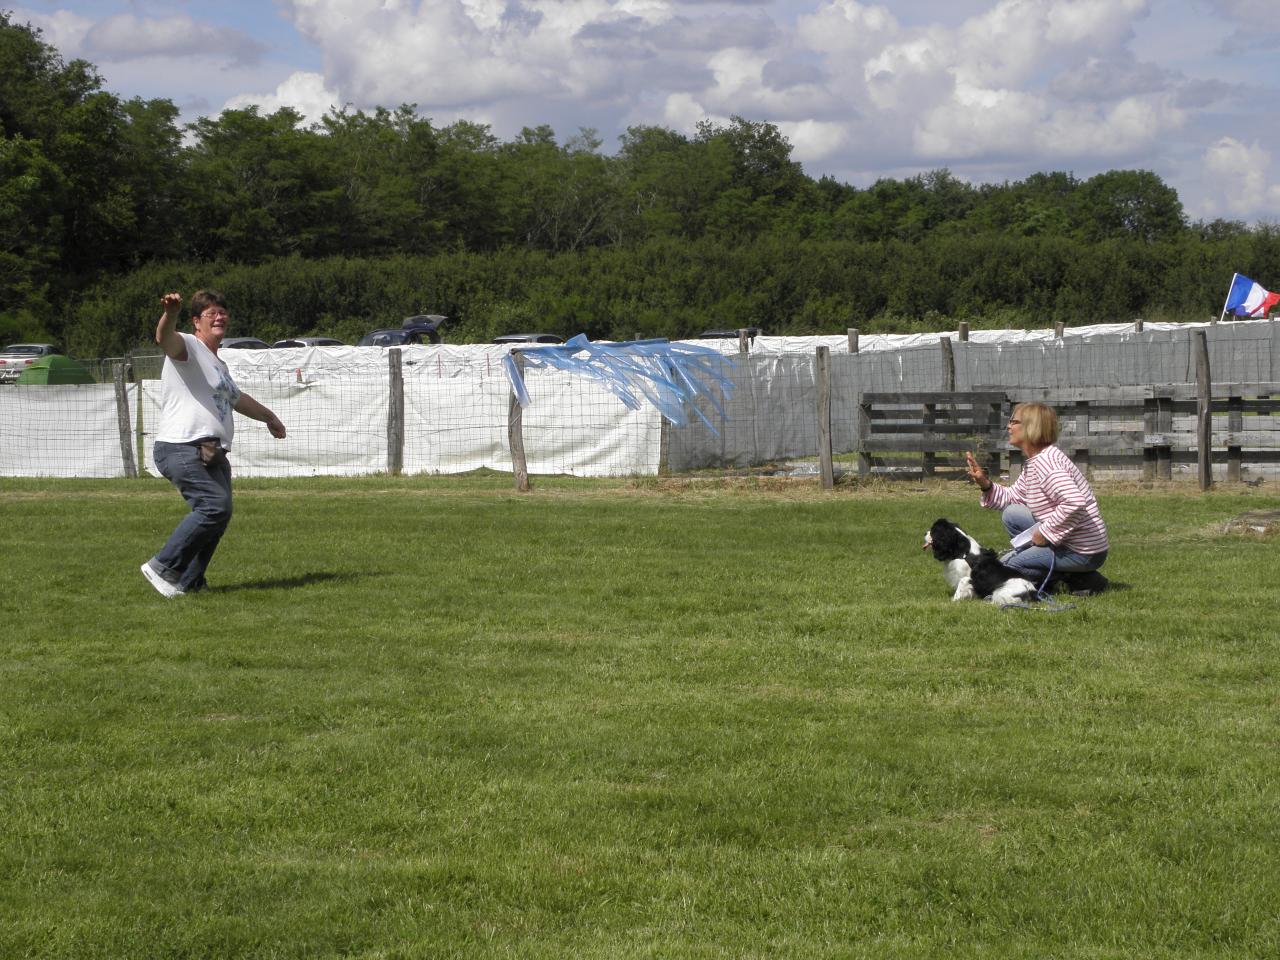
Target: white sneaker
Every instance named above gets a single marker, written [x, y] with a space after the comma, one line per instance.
[163, 586]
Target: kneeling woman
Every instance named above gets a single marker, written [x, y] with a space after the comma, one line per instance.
[1052, 500]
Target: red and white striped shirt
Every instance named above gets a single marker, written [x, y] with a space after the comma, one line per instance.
[1058, 496]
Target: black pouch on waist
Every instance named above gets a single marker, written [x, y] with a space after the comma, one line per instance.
[211, 452]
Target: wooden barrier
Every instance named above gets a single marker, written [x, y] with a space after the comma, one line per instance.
[1124, 428]
[938, 427]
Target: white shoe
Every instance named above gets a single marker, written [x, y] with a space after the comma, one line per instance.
[163, 586]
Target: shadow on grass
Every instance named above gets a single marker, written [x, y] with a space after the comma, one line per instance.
[289, 583]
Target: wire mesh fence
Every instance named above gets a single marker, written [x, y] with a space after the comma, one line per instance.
[448, 409]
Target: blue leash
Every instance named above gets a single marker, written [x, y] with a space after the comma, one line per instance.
[1048, 604]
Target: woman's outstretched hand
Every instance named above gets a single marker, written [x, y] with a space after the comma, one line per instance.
[976, 473]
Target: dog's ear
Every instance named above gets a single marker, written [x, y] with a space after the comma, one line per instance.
[947, 543]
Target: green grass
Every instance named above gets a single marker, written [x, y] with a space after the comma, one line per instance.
[433, 718]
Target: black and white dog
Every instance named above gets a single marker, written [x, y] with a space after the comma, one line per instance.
[972, 570]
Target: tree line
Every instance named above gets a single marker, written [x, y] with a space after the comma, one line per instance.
[369, 216]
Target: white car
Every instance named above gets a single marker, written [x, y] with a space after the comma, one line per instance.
[18, 356]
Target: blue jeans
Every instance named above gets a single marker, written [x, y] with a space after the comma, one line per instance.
[207, 490]
[1034, 563]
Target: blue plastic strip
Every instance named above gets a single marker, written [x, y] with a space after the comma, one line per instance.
[667, 375]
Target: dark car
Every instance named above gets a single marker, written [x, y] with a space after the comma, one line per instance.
[423, 328]
[528, 338]
[309, 342]
[245, 343]
[387, 338]
[728, 334]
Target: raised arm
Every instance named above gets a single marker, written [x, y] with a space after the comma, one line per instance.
[167, 328]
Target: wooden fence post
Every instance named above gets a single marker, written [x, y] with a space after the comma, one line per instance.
[964, 331]
[853, 339]
[123, 421]
[1235, 423]
[1059, 329]
[1204, 409]
[395, 413]
[864, 434]
[744, 341]
[1082, 428]
[927, 459]
[1150, 421]
[1164, 427]
[515, 432]
[996, 421]
[1137, 326]
[948, 365]
[822, 372]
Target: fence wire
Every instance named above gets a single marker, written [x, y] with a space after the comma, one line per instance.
[448, 408]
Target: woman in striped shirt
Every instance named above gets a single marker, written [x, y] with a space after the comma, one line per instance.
[1050, 499]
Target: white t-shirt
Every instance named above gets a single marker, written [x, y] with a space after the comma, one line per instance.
[196, 396]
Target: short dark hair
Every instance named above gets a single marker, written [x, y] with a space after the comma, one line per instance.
[202, 300]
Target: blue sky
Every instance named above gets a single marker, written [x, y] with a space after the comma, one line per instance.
[992, 89]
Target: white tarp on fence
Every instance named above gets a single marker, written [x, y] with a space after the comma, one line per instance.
[64, 430]
[335, 401]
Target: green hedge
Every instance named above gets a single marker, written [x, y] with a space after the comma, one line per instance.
[677, 288]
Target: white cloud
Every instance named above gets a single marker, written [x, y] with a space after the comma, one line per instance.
[977, 121]
[846, 28]
[682, 112]
[911, 75]
[61, 28]
[986, 87]
[458, 52]
[1256, 12]
[1240, 174]
[814, 141]
[304, 92]
[127, 37]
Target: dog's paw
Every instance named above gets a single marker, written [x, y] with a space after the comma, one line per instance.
[964, 590]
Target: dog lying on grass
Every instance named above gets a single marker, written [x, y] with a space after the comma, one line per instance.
[972, 570]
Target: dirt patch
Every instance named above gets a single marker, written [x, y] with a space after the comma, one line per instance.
[1254, 523]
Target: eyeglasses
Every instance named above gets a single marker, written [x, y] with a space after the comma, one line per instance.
[214, 315]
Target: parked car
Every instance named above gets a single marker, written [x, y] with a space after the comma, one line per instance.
[528, 338]
[308, 342]
[18, 356]
[424, 328]
[728, 334]
[245, 343]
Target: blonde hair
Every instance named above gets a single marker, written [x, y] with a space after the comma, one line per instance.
[1039, 423]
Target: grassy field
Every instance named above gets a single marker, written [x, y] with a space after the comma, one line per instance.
[427, 717]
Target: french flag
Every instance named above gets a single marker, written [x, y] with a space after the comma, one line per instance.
[1247, 299]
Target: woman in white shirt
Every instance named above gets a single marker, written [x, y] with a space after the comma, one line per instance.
[194, 435]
